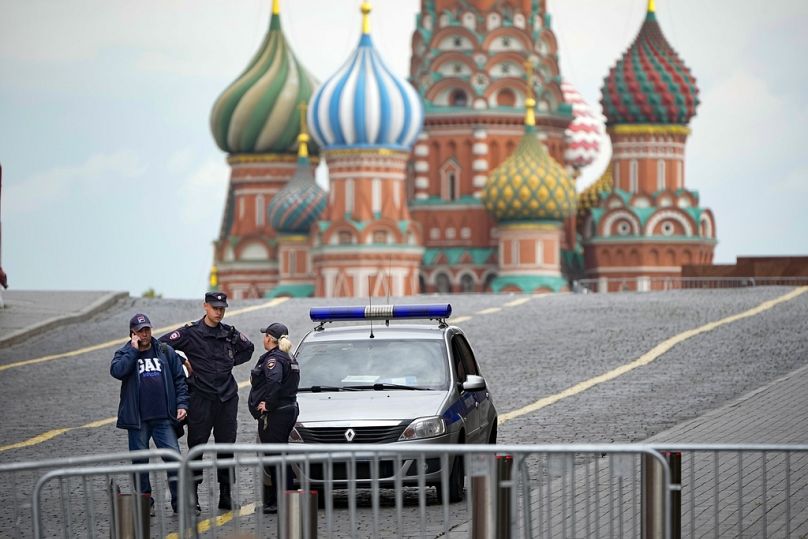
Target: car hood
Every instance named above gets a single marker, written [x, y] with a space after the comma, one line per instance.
[368, 405]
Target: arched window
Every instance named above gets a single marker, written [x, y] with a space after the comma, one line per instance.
[506, 98]
[260, 210]
[660, 175]
[443, 283]
[349, 196]
[458, 99]
[633, 176]
[467, 283]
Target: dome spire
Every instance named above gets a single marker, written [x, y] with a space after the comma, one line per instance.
[530, 102]
[651, 6]
[275, 20]
[303, 137]
[366, 8]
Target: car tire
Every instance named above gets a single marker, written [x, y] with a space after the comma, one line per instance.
[492, 436]
[457, 482]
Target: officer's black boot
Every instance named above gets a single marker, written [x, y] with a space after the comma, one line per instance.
[270, 501]
[224, 496]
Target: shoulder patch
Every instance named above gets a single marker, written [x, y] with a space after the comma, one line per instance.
[174, 336]
[271, 364]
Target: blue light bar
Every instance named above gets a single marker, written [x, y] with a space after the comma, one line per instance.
[381, 312]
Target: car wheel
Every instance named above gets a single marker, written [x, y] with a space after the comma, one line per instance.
[492, 436]
[457, 480]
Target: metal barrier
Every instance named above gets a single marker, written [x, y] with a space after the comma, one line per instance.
[656, 284]
[71, 496]
[388, 491]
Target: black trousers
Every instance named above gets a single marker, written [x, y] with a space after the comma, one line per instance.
[206, 414]
[274, 428]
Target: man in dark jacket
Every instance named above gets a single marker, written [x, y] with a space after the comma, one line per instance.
[213, 348]
[154, 396]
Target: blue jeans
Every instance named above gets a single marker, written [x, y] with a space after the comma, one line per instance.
[164, 436]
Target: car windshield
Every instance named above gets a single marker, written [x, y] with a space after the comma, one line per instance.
[367, 363]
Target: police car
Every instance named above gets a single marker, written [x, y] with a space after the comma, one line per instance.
[382, 383]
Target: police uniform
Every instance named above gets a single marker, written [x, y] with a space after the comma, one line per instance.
[212, 352]
[274, 380]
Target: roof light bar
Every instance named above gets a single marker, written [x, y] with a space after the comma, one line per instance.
[381, 312]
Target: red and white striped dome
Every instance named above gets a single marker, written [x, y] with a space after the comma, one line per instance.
[584, 132]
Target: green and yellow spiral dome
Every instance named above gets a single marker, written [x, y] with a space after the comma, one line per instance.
[258, 113]
[529, 185]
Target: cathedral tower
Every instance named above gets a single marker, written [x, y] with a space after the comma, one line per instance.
[649, 225]
[467, 63]
[366, 119]
[256, 121]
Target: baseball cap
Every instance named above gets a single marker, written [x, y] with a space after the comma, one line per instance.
[138, 322]
[275, 329]
[216, 299]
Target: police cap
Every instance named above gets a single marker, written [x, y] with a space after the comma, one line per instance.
[216, 299]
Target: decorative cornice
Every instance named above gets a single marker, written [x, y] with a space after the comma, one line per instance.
[352, 152]
[649, 129]
[241, 158]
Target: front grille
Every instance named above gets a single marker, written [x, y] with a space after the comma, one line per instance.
[363, 435]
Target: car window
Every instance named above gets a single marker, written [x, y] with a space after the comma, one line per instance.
[466, 356]
[419, 363]
[457, 359]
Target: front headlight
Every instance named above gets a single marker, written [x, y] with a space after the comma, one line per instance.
[425, 427]
[295, 437]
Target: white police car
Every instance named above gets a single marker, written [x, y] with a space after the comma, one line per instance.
[399, 383]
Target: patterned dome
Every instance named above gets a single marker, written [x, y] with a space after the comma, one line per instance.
[258, 112]
[650, 84]
[364, 104]
[529, 185]
[295, 208]
[590, 197]
[584, 132]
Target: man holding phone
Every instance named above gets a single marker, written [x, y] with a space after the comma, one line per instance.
[213, 348]
[154, 396]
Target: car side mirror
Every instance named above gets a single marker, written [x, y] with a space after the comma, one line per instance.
[474, 383]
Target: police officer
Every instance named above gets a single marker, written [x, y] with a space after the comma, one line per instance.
[213, 349]
[273, 401]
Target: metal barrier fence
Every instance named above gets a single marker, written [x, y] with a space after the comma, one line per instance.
[656, 284]
[388, 491]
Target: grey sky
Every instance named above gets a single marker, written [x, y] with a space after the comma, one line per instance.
[112, 180]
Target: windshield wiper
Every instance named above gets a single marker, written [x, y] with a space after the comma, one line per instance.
[321, 389]
[382, 387]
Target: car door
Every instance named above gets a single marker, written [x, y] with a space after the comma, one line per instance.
[471, 399]
[483, 397]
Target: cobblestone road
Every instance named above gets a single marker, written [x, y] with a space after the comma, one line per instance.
[527, 350]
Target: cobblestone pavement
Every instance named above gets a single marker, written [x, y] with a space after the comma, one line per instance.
[527, 351]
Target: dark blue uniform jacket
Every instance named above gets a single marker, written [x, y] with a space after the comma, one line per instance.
[213, 352]
[124, 368]
[274, 380]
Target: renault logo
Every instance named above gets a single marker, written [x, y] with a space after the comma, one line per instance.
[350, 435]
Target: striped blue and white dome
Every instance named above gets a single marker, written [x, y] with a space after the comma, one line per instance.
[365, 105]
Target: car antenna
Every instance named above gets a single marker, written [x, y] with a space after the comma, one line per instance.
[370, 300]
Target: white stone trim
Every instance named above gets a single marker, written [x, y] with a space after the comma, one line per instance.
[668, 214]
[620, 214]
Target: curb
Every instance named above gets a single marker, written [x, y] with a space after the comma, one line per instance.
[40, 327]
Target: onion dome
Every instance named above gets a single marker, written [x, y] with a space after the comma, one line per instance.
[258, 112]
[584, 132]
[298, 205]
[364, 104]
[529, 185]
[650, 84]
[590, 197]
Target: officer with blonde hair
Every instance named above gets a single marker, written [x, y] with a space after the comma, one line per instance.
[273, 401]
